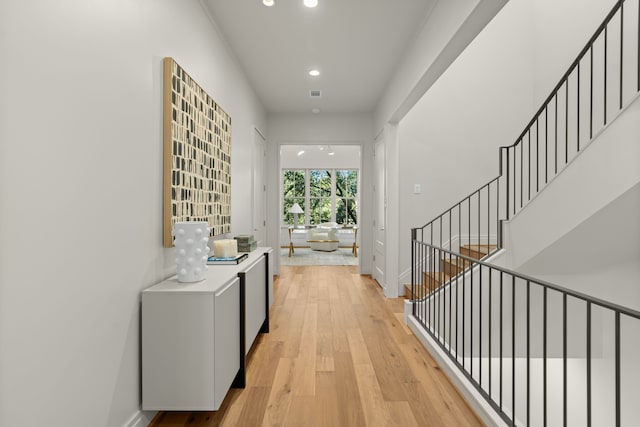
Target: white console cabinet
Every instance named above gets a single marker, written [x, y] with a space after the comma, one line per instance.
[195, 336]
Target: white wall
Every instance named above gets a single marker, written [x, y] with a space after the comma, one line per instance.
[81, 194]
[581, 232]
[557, 43]
[447, 30]
[484, 100]
[339, 129]
[318, 156]
[450, 26]
[449, 140]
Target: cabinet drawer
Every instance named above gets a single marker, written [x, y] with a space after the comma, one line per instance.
[255, 300]
[226, 338]
[177, 351]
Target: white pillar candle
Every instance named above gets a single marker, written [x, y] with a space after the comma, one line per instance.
[226, 248]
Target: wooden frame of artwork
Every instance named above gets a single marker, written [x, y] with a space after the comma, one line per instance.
[197, 155]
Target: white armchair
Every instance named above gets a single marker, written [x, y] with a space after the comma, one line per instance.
[323, 237]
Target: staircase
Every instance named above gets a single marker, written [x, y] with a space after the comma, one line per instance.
[538, 353]
[449, 268]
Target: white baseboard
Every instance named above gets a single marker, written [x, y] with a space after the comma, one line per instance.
[140, 419]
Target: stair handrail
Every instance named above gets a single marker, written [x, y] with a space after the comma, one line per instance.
[463, 199]
[511, 182]
[465, 338]
[561, 289]
[566, 75]
[507, 153]
[586, 53]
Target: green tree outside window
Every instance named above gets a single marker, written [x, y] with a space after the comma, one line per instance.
[346, 197]
[294, 192]
[328, 199]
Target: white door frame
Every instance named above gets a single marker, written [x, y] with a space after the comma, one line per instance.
[379, 228]
[259, 187]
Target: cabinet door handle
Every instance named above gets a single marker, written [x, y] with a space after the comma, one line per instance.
[227, 286]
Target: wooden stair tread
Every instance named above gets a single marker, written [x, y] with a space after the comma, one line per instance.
[450, 267]
[423, 289]
[431, 281]
[454, 266]
[456, 261]
[477, 251]
[437, 276]
[407, 291]
[481, 247]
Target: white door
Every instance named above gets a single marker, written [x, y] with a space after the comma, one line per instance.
[259, 185]
[380, 209]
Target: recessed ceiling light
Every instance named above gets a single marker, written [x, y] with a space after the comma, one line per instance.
[311, 3]
[268, 2]
[315, 110]
[314, 73]
[300, 153]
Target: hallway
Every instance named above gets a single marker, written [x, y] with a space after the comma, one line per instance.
[338, 354]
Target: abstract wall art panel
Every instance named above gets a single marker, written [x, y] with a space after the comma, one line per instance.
[197, 155]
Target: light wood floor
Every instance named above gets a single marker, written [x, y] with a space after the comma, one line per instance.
[338, 354]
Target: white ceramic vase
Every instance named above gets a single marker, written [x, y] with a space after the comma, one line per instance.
[191, 250]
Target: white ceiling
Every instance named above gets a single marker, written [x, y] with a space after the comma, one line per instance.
[356, 45]
[319, 156]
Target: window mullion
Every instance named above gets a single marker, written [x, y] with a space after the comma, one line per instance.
[307, 196]
[333, 195]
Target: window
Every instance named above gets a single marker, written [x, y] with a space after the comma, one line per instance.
[329, 194]
[294, 192]
[319, 196]
[346, 197]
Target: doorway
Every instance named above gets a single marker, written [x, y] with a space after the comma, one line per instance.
[319, 196]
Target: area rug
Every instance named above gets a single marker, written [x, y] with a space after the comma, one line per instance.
[306, 256]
